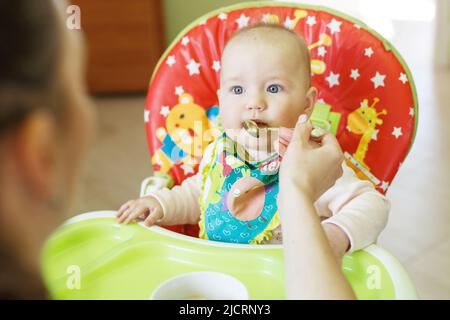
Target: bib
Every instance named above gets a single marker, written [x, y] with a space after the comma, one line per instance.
[239, 198]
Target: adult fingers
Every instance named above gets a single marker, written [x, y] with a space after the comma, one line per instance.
[329, 140]
[302, 130]
[281, 149]
[285, 134]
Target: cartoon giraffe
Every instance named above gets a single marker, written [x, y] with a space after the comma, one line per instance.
[363, 121]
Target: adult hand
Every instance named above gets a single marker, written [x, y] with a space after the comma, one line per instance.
[307, 170]
[313, 167]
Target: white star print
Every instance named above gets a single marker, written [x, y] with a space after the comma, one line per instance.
[333, 79]
[397, 132]
[179, 90]
[164, 111]
[185, 41]
[403, 78]
[289, 23]
[384, 186]
[311, 20]
[185, 137]
[357, 26]
[411, 111]
[171, 60]
[146, 116]
[193, 67]
[355, 74]
[375, 134]
[222, 16]
[187, 169]
[265, 18]
[368, 52]
[216, 66]
[242, 21]
[334, 26]
[378, 80]
[321, 51]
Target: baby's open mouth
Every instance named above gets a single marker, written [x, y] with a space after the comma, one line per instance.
[255, 127]
[258, 123]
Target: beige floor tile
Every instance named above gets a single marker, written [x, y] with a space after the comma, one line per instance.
[431, 271]
[119, 159]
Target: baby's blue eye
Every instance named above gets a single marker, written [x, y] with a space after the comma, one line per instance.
[237, 90]
[274, 88]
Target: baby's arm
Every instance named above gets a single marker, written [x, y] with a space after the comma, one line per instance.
[358, 211]
[179, 205]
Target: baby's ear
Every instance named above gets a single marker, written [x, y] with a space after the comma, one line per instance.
[310, 100]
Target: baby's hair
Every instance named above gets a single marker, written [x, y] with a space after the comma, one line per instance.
[306, 56]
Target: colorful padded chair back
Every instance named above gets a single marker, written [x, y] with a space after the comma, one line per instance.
[366, 92]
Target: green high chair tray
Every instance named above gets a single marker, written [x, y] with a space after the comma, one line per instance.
[93, 257]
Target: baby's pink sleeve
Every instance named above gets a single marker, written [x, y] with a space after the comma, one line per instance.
[356, 207]
[181, 203]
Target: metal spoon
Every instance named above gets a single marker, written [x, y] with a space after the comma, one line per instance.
[252, 128]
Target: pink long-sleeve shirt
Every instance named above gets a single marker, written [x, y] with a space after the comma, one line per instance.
[352, 204]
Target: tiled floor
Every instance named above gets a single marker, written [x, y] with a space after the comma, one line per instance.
[119, 159]
[418, 232]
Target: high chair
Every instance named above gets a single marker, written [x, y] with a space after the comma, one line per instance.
[366, 98]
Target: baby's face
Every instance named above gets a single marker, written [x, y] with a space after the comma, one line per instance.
[264, 82]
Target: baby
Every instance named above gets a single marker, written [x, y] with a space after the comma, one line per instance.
[265, 77]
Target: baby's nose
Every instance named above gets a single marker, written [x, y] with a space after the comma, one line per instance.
[257, 104]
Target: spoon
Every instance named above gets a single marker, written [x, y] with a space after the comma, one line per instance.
[252, 128]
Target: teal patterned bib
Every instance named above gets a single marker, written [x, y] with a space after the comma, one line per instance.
[239, 196]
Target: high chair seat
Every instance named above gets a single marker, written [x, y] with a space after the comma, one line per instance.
[366, 93]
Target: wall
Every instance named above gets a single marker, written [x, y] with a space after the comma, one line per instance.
[180, 13]
[443, 34]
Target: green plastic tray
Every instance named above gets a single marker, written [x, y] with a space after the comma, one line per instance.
[93, 257]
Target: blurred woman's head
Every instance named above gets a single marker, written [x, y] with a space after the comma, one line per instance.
[45, 122]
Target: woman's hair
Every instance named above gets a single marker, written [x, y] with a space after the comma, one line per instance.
[30, 52]
[30, 60]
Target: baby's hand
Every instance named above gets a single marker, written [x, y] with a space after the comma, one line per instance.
[147, 209]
